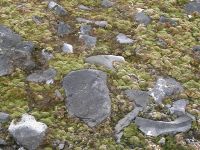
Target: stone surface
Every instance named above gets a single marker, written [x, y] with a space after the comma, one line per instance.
[156, 128]
[104, 60]
[59, 10]
[196, 48]
[63, 29]
[14, 53]
[140, 98]
[123, 39]
[83, 7]
[85, 29]
[124, 122]
[102, 24]
[179, 106]
[89, 41]
[83, 20]
[42, 76]
[46, 55]
[28, 132]
[67, 48]
[192, 7]
[87, 95]
[165, 87]
[106, 3]
[142, 18]
[4, 117]
[169, 21]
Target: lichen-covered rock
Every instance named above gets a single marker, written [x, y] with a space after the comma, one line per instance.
[89, 41]
[28, 132]
[140, 98]
[104, 60]
[87, 95]
[14, 53]
[42, 76]
[123, 39]
[142, 18]
[192, 7]
[59, 10]
[165, 87]
[156, 128]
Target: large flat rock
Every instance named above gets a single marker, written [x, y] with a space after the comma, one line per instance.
[87, 95]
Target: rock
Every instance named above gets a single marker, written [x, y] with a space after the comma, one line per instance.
[46, 55]
[140, 98]
[83, 20]
[59, 10]
[2, 142]
[37, 20]
[85, 29]
[156, 128]
[63, 29]
[88, 40]
[106, 3]
[165, 87]
[102, 24]
[124, 122]
[87, 95]
[196, 48]
[14, 53]
[28, 132]
[169, 21]
[142, 18]
[82, 7]
[4, 117]
[162, 141]
[67, 48]
[178, 107]
[192, 7]
[42, 76]
[123, 39]
[104, 60]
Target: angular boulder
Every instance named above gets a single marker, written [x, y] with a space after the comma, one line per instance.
[87, 95]
[28, 132]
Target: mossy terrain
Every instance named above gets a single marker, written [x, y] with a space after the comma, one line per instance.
[145, 60]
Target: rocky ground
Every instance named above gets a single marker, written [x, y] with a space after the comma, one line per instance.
[99, 74]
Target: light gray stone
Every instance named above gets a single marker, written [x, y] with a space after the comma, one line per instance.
[28, 132]
[63, 29]
[83, 7]
[58, 9]
[123, 39]
[179, 106]
[106, 3]
[87, 95]
[83, 20]
[67, 48]
[102, 24]
[85, 29]
[104, 60]
[89, 41]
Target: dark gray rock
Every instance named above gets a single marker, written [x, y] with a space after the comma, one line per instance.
[4, 117]
[14, 53]
[179, 106]
[123, 39]
[88, 40]
[104, 60]
[156, 128]
[42, 76]
[63, 29]
[85, 29]
[87, 95]
[106, 3]
[142, 18]
[196, 48]
[166, 20]
[140, 98]
[165, 87]
[28, 132]
[59, 10]
[124, 122]
[192, 7]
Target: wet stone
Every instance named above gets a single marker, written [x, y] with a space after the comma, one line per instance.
[46, 76]
[165, 87]
[140, 98]
[156, 128]
[63, 29]
[142, 18]
[87, 95]
[192, 7]
[104, 60]
[89, 41]
[123, 39]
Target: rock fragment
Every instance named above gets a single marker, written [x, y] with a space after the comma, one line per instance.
[89, 41]
[63, 29]
[83, 20]
[87, 95]
[123, 39]
[83, 7]
[106, 3]
[178, 107]
[59, 10]
[169, 21]
[28, 132]
[142, 18]
[4, 117]
[192, 7]
[67, 48]
[85, 29]
[102, 24]
[104, 60]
